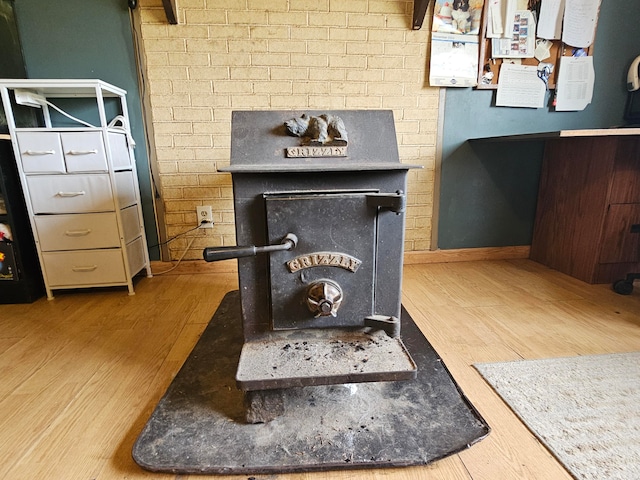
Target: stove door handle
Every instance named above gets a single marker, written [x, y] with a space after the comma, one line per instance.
[213, 254]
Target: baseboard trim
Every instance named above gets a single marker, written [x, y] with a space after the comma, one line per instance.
[466, 255]
[191, 267]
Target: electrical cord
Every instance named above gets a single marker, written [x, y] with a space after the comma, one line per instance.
[176, 236]
[124, 127]
[185, 250]
[58, 109]
[179, 259]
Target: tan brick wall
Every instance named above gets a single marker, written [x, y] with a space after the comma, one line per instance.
[230, 55]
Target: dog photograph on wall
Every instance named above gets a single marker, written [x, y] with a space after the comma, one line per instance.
[454, 43]
[457, 16]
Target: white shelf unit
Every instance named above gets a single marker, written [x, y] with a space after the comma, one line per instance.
[81, 186]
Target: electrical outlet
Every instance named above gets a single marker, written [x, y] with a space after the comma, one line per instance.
[205, 216]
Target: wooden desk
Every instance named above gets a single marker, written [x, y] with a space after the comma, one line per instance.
[587, 221]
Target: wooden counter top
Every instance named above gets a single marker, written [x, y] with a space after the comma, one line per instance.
[589, 132]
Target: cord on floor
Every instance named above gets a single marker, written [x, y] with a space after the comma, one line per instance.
[179, 259]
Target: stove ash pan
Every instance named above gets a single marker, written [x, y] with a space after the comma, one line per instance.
[319, 201]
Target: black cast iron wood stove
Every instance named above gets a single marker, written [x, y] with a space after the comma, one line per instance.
[319, 208]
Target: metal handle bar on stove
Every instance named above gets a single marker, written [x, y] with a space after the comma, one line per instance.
[213, 254]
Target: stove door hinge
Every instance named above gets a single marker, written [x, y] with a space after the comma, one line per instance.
[396, 202]
[390, 325]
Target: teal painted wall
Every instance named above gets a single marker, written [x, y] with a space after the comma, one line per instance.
[11, 62]
[89, 39]
[489, 191]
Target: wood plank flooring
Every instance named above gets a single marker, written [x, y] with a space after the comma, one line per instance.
[81, 374]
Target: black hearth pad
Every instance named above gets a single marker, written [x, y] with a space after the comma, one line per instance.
[198, 426]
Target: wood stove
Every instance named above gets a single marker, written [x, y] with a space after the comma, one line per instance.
[320, 219]
[319, 202]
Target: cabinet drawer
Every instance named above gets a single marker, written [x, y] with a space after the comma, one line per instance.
[77, 232]
[125, 189]
[40, 152]
[66, 152]
[70, 193]
[84, 152]
[84, 268]
[136, 256]
[130, 223]
[119, 151]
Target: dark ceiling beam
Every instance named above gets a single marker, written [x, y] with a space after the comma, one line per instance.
[171, 10]
[419, 12]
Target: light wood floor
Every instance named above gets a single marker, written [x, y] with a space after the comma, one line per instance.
[81, 374]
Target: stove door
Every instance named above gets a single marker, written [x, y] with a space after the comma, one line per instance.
[328, 280]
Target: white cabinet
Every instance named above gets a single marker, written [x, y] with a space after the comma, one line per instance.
[40, 152]
[81, 188]
[70, 193]
[77, 231]
[67, 152]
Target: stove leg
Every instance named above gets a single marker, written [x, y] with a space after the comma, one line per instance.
[262, 406]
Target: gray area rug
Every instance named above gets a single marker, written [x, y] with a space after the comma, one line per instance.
[585, 409]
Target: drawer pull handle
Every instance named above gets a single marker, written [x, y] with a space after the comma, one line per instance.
[88, 268]
[77, 233]
[39, 152]
[82, 152]
[71, 194]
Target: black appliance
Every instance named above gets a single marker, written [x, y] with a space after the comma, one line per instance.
[320, 214]
[20, 275]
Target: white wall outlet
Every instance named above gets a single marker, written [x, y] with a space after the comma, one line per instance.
[205, 216]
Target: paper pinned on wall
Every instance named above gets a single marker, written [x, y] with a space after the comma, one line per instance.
[509, 12]
[550, 21]
[521, 39]
[454, 60]
[574, 88]
[580, 21]
[454, 44]
[495, 22]
[520, 86]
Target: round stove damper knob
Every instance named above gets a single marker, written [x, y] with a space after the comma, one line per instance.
[324, 298]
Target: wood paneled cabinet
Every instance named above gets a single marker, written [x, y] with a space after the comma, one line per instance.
[588, 216]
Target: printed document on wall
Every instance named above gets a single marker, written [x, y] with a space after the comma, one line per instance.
[454, 60]
[574, 88]
[520, 86]
[580, 22]
[495, 24]
[550, 21]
